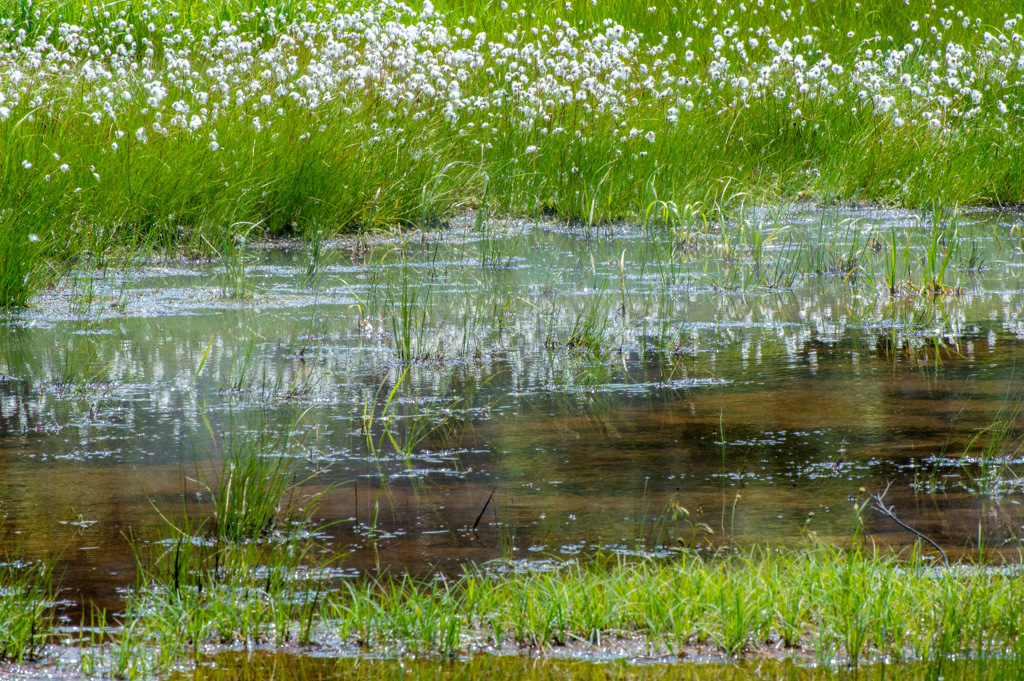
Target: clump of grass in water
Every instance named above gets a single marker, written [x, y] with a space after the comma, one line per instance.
[587, 332]
[988, 458]
[253, 493]
[231, 574]
[27, 595]
[236, 283]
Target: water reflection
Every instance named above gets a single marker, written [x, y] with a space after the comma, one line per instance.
[600, 667]
[571, 399]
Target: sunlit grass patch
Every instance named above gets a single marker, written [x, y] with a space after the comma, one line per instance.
[194, 593]
[837, 609]
[818, 604]
[27, 607]
[187, 127]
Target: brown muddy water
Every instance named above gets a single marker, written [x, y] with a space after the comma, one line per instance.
[559, 391]
[235, 667]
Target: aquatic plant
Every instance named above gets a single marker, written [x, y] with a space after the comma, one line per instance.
[990, 461]
[587, 330]
[253, 494]
[852, 607]
[321, 257]
[412, 321]
[497, 250]
[192, 593]
[28, 591]
[236, 283]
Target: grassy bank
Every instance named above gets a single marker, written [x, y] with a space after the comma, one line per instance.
[818, 605]
[188, 128]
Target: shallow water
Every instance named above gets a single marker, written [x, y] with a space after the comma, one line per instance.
[234, 666]
[560, 392]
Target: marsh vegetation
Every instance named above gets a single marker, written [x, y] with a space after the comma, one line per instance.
[517, 436]
[410, 334]
[188, 128]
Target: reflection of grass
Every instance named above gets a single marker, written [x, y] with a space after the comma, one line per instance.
[248, 373]
[988, 457]
[82, 371]
[393, 426]
[233, 666]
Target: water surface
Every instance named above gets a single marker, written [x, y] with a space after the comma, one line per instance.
[560, 391]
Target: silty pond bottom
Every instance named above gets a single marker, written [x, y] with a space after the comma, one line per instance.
[529, 391]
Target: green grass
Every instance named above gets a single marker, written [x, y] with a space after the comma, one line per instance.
[304, 165]
[238, 666]
[27, 608]
[831, 607]
[255, 492]
[192, 594]
[820, 603]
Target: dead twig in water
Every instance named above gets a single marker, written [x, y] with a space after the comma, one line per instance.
[888, 512]
[486, 504]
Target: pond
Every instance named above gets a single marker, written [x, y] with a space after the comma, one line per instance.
[528, 391]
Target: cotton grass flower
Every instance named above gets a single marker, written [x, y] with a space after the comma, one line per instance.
[327, 62]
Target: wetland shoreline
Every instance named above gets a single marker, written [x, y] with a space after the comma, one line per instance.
[369, 424]
[422, 438]
[148, 127]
